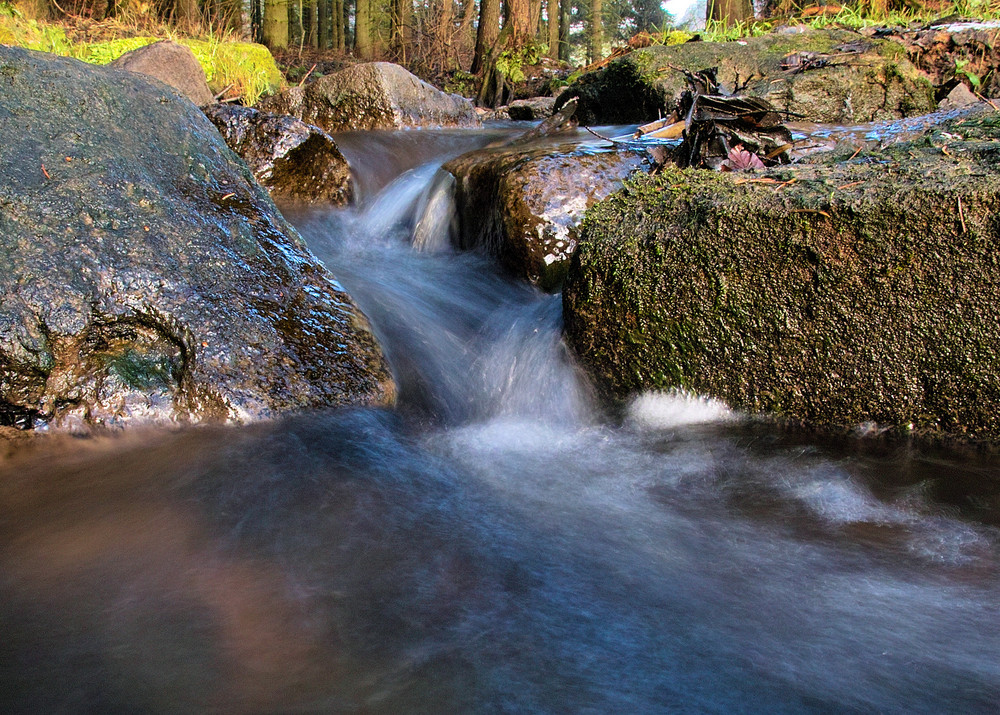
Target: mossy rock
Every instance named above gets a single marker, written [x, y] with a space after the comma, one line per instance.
[874, 81]
[147, 277]
[862, 291]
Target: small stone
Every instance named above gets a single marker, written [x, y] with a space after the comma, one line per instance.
[960, 96]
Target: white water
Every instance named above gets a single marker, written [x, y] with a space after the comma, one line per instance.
[495, 544]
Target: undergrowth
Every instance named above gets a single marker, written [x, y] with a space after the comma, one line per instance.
[237, 69]
[868, 13]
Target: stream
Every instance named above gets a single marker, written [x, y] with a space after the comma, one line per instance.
[495, 544]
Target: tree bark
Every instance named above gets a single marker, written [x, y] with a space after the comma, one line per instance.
[276, 23]
[565, 8]
[729, 11]
[519, 17]
[323, 23]
[552, 10]
[486, 35]
[595, 32]
[363, 30]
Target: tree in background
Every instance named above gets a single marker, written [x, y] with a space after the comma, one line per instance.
[729, 11]
[487, 33]
[595, 31]
[275, 23]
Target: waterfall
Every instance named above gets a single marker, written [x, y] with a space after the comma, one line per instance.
[496, 543]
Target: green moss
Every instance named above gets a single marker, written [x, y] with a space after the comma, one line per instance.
[875, 301]
[143, 372]
[242, 69]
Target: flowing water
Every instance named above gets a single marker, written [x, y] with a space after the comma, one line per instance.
[494, 544]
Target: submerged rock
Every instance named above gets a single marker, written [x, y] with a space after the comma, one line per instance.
[288, 157]
[524, 204]
[172, 64]
[147, 277]
[374, 95]
[849, 291]
[832, 76]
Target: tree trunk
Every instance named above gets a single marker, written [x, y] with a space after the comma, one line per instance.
[595, 32]
[187, 16]
[314, 22]
[323, 23]
[519, 17]
[535, 18]
[565, 8]
[338, 29]
[552, 10]
[729, 11]
[486, 35]
[275, 23]
[363, 30]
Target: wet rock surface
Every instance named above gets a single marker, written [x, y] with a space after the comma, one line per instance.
[291, 159]
[856, 289]
[524, 204]
[832, 76]
[172, 64]
[531, 109]
[374, 95]
[147, 277]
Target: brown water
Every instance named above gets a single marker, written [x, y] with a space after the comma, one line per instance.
[495, 544]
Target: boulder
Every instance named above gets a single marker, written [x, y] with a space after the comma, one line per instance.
[832, 76]
[848, 291]
[172, 64]
[147, 277]
[524, 204]
[531, 109]
[291, 159]
[374, 95]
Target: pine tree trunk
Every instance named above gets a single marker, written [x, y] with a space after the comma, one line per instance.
[552, 10]
[565, 6]
[595, 32]
[276, 23]
[363, 30]
[729, 11]
[535, 18]
[323, 23]
[486, 35]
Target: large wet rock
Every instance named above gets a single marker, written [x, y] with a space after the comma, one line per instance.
[291, 159]
[374, 95]
[837, 293]
[147, 277]
[524, 205]
[820, 76]
[171, 63]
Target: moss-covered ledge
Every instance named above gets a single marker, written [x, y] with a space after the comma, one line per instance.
[852, 79]
[854, 291]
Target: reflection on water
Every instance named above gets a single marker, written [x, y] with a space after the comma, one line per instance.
[494, 545]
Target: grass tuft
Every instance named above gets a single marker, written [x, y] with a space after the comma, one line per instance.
[240, 69]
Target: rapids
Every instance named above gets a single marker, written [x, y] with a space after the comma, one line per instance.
[496, 543]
